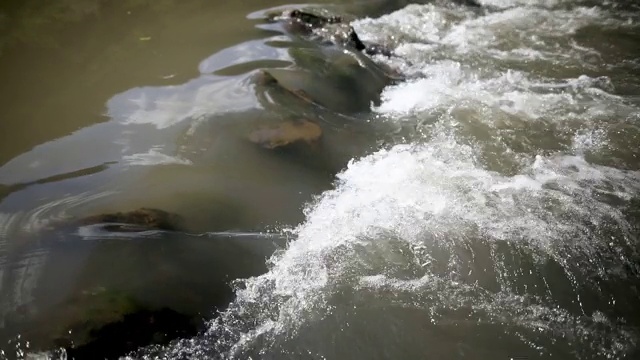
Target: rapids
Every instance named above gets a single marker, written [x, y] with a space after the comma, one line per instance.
[503, 225]
[486, 206]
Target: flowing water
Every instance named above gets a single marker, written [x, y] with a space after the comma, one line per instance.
[488, 207]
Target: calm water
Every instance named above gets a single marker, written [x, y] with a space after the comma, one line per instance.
[486, 208]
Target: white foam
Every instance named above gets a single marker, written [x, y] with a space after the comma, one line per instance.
[436, 43]
[375, 234]
[519, 33]
[427, 193]
[448, 85]
[513, 3]
[438, 192]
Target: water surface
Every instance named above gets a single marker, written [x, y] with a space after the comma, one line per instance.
[486, 208]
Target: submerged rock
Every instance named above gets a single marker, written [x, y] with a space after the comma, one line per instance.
[311, 20]
[344, 81]
[137, 220]
[286, 133]
[304, 20]
[331, 68]
[106, 324]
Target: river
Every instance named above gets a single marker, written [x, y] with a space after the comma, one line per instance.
[487, 206]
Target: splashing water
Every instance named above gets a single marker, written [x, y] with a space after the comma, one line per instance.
[503, 227]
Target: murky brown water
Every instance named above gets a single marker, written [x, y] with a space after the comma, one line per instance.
[501, 193]
[62, 156]
[76, 78]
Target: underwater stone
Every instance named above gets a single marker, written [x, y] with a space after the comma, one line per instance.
[286, 133]
[137, 220]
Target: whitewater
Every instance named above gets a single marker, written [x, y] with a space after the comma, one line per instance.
[503, 224]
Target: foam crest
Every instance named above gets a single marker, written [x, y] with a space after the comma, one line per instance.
[422, 33]
[449, 84]
[419, 196]
[422, 236]
[592, 139]
[47, 214]
[435, 45]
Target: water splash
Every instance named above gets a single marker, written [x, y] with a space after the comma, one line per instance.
[490, 234]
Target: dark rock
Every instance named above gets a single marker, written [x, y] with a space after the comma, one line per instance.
[331, 68]
[343, 81]
[327, 28]
[377, 49]
[355, 41]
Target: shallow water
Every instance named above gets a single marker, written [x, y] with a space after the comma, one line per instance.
[486, 208]
[76, 142]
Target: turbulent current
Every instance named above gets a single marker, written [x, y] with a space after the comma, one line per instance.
[504, 224]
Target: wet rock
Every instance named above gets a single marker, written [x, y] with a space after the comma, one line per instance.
[325, 28]
[306, 18]
[286, 133]
[344, 81]
[341, 34]
[311, 20]
[137, 220]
